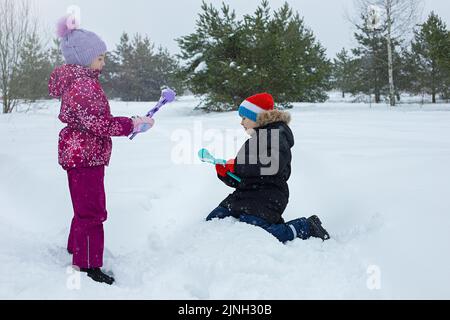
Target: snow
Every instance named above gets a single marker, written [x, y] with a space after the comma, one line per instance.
[378, 178]
[202, 66]
[376, 17]
[414, 100]
[197, 56]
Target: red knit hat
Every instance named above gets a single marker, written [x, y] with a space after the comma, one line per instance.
[256, 104]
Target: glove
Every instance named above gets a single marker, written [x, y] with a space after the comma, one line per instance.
[142, 124]
[222, 169]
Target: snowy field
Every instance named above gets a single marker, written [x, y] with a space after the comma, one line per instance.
[379, 178]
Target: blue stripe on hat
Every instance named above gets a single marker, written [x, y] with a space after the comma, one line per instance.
[247, 113]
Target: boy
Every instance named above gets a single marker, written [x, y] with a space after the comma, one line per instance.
[264, 166]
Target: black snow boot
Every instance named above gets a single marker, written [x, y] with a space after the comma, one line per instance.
[316, 229]
[97, 274]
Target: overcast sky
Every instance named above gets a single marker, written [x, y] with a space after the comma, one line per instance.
[165, 20]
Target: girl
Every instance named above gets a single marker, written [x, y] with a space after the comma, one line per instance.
[85, 144]
[264, 166]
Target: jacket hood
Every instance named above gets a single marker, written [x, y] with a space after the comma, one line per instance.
[64, 76]
[276, 119]
[272, 116]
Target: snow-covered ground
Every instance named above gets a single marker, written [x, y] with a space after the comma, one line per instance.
[379, 178]
[405, 98]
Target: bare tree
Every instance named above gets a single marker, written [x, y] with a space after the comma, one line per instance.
[399, 18]
[16, 22]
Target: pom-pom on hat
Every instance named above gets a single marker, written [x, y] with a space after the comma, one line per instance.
[78, 46]
[255, 105]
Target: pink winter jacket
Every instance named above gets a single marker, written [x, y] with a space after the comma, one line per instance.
[86, 140]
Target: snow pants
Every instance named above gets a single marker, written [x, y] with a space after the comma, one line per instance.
[283, 232]
[86, 238]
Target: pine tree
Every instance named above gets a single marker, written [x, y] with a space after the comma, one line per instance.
[444, 65]
[300, 70]
[431, 52]
[211, 56]
[372, 58]
[144, 85]
[167, 70]
[405, 78]
[117, 78]
[343, 72]
[56, 57]
[135, 71]
[31, 76]
[228, 59]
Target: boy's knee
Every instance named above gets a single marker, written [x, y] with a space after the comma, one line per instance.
[218, 213]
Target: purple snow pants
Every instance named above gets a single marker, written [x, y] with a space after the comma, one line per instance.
[86, 239]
